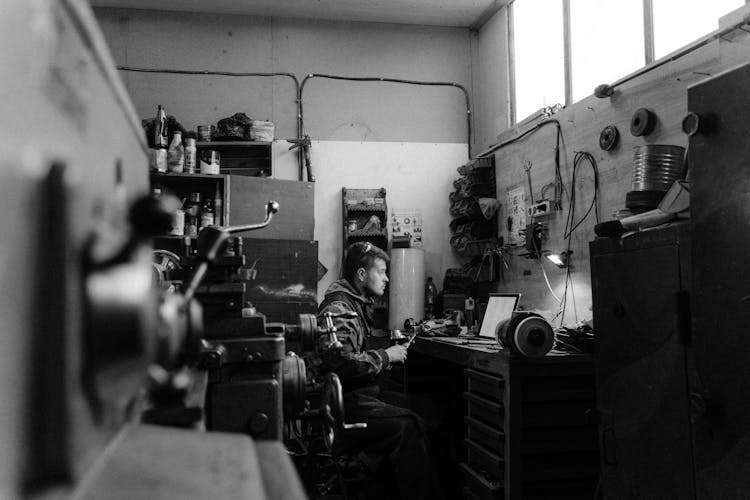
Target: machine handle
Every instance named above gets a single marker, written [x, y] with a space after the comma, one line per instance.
[272, 207]
[345, 315]
[330, 329]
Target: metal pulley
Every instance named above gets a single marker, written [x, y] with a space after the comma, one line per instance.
[305, 331]
[525, 333]
[643, 122]
[608, 138]
[294, 377]
[332, 412]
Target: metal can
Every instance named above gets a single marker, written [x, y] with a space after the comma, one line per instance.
[204, 133]
[210, 161]
[178, 223]
[160, 159]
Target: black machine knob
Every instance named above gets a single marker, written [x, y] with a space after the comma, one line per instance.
[258, 424]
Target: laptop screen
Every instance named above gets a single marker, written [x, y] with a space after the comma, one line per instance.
[500, 307]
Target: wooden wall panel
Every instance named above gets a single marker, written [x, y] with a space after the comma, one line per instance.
[662, 90]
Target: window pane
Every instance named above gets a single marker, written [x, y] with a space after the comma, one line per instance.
[679, 22]
[538, 35]
[606, 42]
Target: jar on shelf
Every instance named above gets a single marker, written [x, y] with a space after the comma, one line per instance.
[207, 213]
[192, 214]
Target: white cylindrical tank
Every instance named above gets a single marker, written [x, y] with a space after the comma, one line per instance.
[406, 299]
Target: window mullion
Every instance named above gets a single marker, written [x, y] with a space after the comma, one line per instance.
[567, 54]
[648, 30]
[511, 67]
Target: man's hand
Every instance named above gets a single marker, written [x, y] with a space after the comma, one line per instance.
[396, 353]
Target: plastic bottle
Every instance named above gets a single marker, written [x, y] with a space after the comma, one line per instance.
[430, 297]
[191, 155]
[176, 154]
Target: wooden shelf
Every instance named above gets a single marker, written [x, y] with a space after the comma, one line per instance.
[359, 205]
[247, 158]
[361, 208]
[360, 233]
[214, 144]
[184, 175]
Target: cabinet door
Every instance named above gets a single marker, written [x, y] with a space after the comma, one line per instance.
[295, 220]
[720, 225]
[645, 434]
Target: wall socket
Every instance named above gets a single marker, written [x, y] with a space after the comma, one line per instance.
[539, 209]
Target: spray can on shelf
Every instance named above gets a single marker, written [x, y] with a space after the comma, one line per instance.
[191, 154]
[430, 298]
[176, 154]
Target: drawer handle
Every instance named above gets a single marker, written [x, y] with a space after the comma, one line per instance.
[485, 377]
[487, 403]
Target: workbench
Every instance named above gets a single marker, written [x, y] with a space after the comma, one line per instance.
[513, 427]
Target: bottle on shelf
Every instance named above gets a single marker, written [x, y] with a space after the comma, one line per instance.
[192, 214]
[176, 154]
[191, 154]
[207, 213]
[218, 204]
[161, 137]
[430, 297]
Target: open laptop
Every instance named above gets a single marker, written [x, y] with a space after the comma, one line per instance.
[500, 307]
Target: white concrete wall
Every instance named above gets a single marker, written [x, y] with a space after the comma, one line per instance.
[415, 175]
[334, 110]
[355, 126]
[490, 80]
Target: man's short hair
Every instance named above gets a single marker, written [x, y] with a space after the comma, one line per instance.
[361, 254]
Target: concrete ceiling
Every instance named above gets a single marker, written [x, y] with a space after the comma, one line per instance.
[455, 13]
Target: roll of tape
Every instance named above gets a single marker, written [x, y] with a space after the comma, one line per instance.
[527, 334]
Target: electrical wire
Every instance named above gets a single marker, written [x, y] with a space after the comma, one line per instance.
[558, 183]
[394, 80]
[571, 225]
[544, 273]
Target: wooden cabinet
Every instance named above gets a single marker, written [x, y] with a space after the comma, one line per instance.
[249, 158]
[527, 426]
[365, 217]
[643, 363]
[210, 187]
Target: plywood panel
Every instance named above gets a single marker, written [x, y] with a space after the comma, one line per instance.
[664, 92]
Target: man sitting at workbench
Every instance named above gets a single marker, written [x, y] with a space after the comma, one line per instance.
[394, 440]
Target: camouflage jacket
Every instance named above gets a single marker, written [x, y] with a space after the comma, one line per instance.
[354, 363]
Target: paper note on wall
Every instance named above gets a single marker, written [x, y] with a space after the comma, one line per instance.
[517, 215]
[407, 222]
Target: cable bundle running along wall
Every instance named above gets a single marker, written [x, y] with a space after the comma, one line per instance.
[571, 224]
[300, 87]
